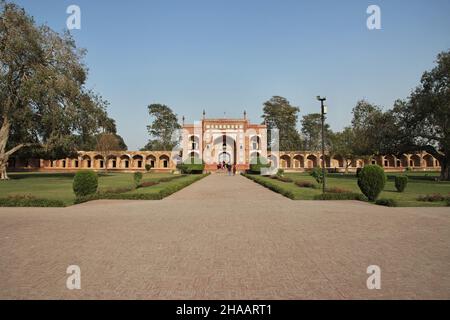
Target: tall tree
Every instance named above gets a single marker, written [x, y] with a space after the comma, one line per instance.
[87, 139]
[366, 118]
[279, 113]
[343, 144]
[312, 132]
[376, 131]
[164, 125]
[423, 120]
[106, 143]
[43, 102]
[121, 143]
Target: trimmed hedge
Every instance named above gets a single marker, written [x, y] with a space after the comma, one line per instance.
[188, 168]
[88, 198]
[371, 181]
[147, 184]
[165, 192]
[386, 202]
[168, 179]
[341, 196]
[337, 190]
[400, 183]
[117, 190]
[282, 179]
[85, 183]
[256, 168]
[271, 186]
[144, 184]
[29, 201]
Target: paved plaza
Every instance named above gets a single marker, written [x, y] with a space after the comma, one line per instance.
[225, 238]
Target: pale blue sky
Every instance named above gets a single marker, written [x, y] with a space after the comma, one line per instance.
[227, 56]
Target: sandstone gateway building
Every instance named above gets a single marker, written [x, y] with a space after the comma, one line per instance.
[234, 141]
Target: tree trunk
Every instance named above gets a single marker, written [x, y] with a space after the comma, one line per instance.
[4, 157]
[444, 160]
[347, 165]
[106, 164]
[445, 169]
[3, 173]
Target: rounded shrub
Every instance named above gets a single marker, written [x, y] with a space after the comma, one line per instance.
[137, 178]
[371, 181]
[85, 183]
[400, 183]
[148, 167]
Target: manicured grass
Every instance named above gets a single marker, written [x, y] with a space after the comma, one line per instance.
[164, 188]
[419, 184]
[58, 186]
[185, 180]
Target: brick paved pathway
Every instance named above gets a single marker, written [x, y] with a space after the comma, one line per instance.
[225, 238]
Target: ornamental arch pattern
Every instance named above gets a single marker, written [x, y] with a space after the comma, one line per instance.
[204, 140]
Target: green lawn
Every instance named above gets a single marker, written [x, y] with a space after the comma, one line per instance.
[163, 185]
[58, 186]
[419, 184]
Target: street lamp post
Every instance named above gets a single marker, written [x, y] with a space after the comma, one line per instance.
[323, 113]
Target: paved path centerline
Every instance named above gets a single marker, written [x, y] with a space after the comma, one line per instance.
[225, 238]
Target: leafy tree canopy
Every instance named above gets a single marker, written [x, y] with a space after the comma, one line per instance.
[419, 123]
[44, 104]
[162, 128]
[343, 144]
[423, 120]
[312, 132]
[279, 113]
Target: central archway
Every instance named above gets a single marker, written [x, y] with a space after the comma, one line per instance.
[225, 147]
[224, 157]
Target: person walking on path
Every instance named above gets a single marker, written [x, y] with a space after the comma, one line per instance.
[234, 169]
[229, 169]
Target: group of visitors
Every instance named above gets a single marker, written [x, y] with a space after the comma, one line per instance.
[231, 168]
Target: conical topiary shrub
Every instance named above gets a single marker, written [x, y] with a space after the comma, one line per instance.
[371, 181]
[85, 183]
[400, 183]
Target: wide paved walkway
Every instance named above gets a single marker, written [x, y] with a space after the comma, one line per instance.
[225, 238]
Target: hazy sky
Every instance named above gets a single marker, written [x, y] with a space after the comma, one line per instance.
[227, 56]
